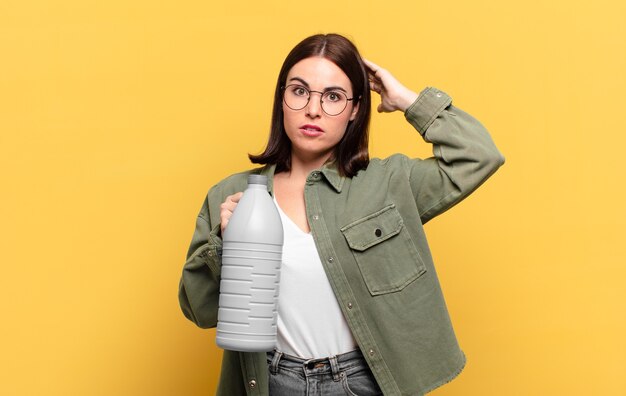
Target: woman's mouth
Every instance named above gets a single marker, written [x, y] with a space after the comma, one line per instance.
[311, 130]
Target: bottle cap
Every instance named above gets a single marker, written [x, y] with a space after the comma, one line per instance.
[257, 179]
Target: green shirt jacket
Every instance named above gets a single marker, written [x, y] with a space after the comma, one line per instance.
[369, 235]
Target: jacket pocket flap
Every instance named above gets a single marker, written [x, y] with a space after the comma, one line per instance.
[373, 229]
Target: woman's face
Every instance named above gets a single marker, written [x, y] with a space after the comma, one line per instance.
[314, 133]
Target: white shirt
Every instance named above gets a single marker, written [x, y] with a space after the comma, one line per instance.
[310, 322]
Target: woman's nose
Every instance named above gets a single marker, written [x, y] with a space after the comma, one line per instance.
[314, 107]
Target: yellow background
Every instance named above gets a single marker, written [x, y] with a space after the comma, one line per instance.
[116, 117]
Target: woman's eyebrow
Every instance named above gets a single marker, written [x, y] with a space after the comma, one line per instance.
[333, 88]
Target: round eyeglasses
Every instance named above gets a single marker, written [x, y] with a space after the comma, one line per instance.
[297, 97]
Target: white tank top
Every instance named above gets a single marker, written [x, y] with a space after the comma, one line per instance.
[310, 322]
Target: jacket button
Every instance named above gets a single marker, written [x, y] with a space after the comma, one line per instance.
[330, 259]
[252, 384]
[378, 232]
[349, 305]
[371, 352]
[210, 253]
[316, 217]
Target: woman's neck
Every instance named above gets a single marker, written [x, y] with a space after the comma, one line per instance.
[301, 167]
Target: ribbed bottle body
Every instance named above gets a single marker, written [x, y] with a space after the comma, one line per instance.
[250, 274]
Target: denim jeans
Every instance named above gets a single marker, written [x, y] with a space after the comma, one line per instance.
[345, 374]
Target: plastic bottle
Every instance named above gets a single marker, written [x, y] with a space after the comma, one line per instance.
[251, 257]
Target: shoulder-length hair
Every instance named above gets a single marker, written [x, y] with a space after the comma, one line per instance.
[351, 153]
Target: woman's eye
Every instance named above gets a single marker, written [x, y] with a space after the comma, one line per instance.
[333, 96]
[300, 91]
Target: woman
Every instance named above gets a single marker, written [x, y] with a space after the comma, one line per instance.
[360, 307]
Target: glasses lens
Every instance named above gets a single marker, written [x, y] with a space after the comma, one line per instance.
[334, 102]
[296, 96]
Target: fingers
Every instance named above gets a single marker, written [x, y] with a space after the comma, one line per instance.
[375, 78]
[383, 83]
[235, 197]
[230, 203]
[376, 87]
[227, 207]
[372, 74]
[375, 72]
[373, 67]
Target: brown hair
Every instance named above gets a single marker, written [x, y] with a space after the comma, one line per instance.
[351, 153]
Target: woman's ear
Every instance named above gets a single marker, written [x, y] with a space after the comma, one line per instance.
[355, 111]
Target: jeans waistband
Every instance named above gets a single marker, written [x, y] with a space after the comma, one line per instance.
[332, 364]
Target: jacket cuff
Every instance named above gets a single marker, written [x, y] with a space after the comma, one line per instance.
[426, 108]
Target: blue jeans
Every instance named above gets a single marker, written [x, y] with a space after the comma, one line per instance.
[345, 374]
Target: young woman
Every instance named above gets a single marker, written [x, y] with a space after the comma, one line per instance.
[360, 309]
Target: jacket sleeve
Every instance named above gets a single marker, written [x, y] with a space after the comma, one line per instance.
[464, 155]
[199, 284]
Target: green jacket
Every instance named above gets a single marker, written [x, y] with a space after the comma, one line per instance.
[369, 235]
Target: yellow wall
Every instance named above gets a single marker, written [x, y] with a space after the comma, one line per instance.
[116, 117]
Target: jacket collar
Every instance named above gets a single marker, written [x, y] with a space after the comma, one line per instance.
[331, 173]
[329, 170]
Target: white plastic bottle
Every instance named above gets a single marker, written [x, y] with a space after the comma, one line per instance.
[251, 257]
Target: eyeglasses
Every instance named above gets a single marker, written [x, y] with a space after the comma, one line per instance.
[297, 97]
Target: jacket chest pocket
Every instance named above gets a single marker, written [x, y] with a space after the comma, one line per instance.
[384, 251]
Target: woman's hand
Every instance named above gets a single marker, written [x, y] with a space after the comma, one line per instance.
[394, 96]
[226, 209]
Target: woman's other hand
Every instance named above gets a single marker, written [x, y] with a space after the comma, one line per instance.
[226, 209]
[394, 96]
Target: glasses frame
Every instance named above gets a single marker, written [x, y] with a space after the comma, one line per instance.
[284, 88]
